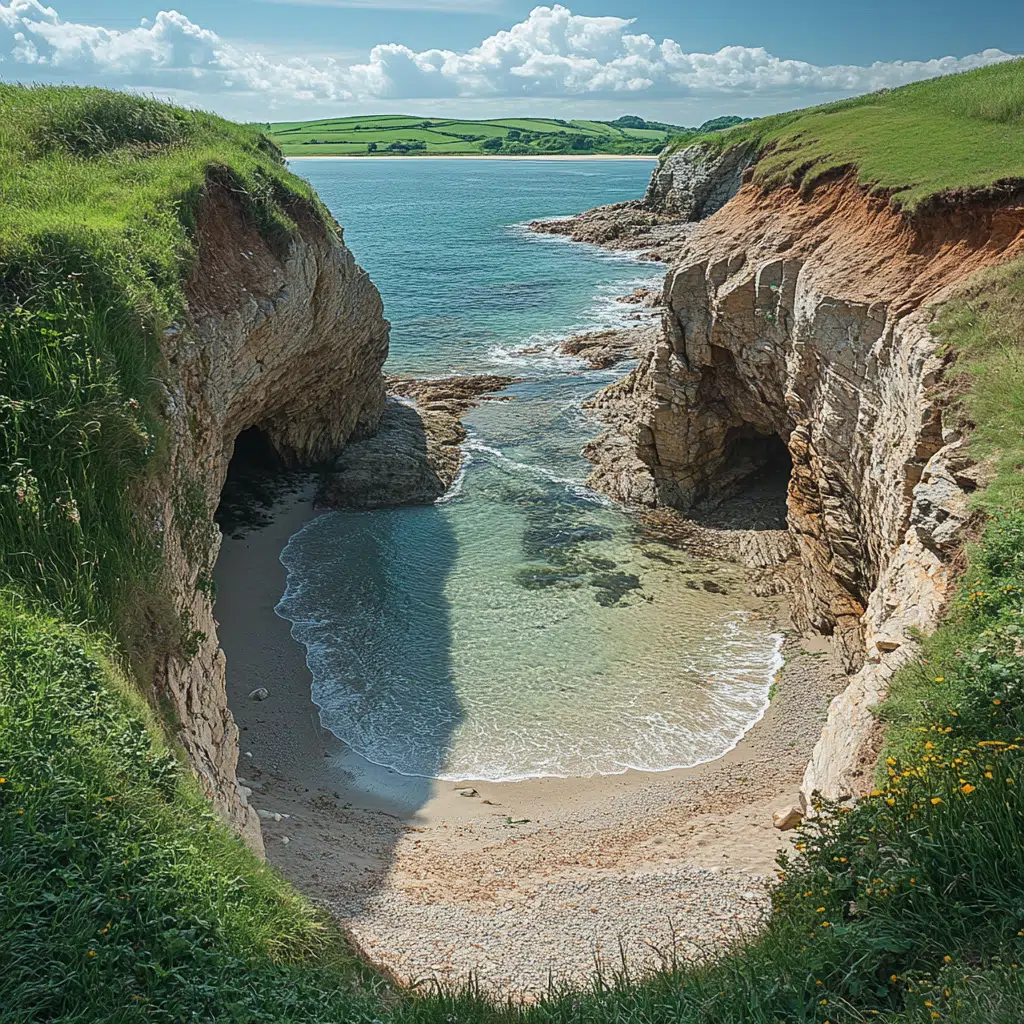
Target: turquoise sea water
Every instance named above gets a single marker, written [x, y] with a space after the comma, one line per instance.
[523, 625]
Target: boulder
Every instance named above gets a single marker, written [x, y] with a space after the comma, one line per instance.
[786, 818]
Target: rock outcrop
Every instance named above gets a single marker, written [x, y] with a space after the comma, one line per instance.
[602, 349]
[695, 182]
[797, 335]
[284, 342]
[415, 456]
[686, 186]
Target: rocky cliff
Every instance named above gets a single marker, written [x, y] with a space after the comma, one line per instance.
[687, 186]
[697, 181]
[283, 343]
[797, 335]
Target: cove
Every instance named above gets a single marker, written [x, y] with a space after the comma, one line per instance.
[524, 626]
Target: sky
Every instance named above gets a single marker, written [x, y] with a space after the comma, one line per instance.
[672, 60]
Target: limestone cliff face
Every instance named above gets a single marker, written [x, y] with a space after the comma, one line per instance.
[289, 340]
[803, 321]
[696, 182]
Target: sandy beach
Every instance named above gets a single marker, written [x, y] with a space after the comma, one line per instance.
[506, 880]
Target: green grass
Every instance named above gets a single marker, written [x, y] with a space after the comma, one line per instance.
[122, 898]
[965, 130]
[96, 237]
[985, 325]
[443, 137]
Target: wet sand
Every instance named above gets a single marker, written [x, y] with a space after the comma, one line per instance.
[507, 880]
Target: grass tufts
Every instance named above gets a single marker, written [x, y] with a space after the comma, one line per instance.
[915, 142]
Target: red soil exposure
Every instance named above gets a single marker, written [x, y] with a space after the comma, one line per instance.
[864, 249]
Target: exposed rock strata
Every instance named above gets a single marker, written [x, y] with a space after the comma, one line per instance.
[287, 340]
[415, 456]
[695, 182]
[798, 327]
[686, 186]
[625, 226]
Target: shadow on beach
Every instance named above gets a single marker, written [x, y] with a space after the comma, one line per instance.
[330, 818]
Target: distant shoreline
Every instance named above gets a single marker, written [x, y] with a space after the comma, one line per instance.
[479, 156]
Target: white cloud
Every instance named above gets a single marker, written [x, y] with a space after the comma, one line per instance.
[452, 6]
[553, 53]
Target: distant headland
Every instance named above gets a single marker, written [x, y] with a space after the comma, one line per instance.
[400, 135]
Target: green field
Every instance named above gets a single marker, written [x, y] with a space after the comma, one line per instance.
[124, 899]
[965, 130]
[390, 135]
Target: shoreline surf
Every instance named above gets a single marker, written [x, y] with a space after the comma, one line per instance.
[406, 862]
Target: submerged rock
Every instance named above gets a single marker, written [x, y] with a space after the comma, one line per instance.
[543, 577]
[612, 587]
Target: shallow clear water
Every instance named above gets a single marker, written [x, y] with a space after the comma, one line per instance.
[523, 626]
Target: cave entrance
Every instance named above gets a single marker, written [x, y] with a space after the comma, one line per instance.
[753, 484]
[256, 478]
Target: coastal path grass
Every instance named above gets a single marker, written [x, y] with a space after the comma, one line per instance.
[964, 131]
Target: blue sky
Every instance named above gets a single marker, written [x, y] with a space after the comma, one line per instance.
[677, 61]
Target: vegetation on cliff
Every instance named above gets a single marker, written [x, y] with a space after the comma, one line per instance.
[96, 237]
[945, 134]
[124, 899]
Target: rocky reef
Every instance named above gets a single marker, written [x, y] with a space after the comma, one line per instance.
[415, 455]
[796, 340]
[687, 186]
[279, 357]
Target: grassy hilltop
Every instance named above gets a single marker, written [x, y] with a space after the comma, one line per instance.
[123, 899]
[387, 135]
[961, 132]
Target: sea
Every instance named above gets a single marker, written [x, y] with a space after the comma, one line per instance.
[523, 625]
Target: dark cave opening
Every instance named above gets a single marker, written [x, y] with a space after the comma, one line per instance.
[753, 485]
[257, 477]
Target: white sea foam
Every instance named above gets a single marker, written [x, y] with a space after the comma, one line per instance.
[537, 352]
[507, 463]
[460, 478]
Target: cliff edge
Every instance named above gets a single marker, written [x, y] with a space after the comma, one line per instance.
[169, 293]
[797, 338]
[285, 346]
